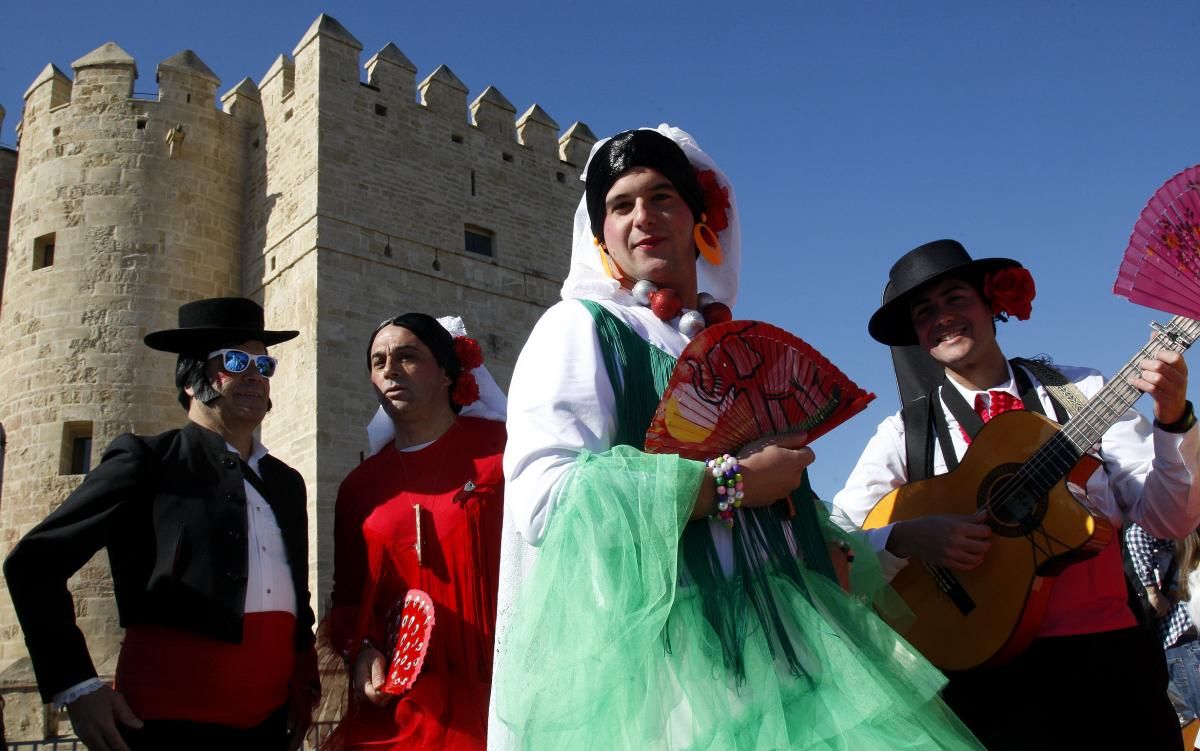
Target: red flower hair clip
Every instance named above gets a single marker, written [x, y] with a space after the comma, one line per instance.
[716, 200]
[466, 390]
[1011, 292]
[467, 350]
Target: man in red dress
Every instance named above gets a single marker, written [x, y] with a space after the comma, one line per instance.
[423, 512]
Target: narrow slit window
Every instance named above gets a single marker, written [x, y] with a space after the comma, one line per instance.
[480, 241]
[76, 448]
[43, 251]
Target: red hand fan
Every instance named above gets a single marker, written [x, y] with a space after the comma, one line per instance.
[414, 626]
[1161, 266]
[740, 381]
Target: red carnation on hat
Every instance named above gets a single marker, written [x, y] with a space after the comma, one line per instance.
[466, 390]
[469, 355]
[1011, 292]
[716, 200]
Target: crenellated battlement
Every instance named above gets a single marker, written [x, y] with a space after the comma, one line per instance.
[102, 91]
[327, 58]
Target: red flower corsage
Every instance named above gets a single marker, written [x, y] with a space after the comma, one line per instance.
[467, 350]
[1011, 292]
[716, 200]
[466, 390]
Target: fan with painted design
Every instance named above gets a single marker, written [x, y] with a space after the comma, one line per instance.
[1161, 266]
[740, 381]
[413, 628]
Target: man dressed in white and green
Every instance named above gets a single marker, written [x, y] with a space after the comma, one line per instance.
[631, 616]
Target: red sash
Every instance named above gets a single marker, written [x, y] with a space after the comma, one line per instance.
[168, 674]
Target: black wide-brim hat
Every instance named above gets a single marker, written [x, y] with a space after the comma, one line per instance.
[918, 268]
[205, 325]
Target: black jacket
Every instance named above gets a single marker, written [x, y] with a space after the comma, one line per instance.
[171, 509]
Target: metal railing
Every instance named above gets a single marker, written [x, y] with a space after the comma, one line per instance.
[317, 735]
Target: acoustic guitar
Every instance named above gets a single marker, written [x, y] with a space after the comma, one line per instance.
[1028, 472]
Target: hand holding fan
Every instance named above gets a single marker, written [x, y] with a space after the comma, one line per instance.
[413, 627]
[740, 381]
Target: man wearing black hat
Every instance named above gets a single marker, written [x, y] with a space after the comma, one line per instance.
[1091, 677]
[207, 540]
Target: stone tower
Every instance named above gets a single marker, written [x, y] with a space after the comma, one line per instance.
[334, 201]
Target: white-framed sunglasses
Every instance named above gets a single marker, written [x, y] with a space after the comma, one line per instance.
[236, 361]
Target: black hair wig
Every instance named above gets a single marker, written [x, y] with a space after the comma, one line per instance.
[639, 148]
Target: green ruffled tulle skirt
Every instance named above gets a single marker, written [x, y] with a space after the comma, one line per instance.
[605, 651]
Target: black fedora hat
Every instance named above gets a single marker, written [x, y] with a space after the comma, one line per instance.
[929, 263]
[215, 322]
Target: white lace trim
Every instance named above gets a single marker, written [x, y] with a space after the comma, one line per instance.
[90, 686]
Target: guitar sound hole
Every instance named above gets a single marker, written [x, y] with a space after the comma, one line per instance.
[1014, 507]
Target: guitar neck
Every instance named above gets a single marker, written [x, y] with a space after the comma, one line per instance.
[1100, 413]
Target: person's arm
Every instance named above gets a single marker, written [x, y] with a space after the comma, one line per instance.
[560, 403]
[365, 660]
[1150, 470]
[37, 571]
[956, 541]
[39, 566]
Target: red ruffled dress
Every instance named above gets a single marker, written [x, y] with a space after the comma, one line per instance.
[458, 482]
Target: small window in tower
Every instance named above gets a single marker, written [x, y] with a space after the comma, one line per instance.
[560, 176]
[189, 98]
[506, 156]
[456, 138]
[287, 116]
[43, 251]
[472, 182]
[381, 110]
[76, 448]
[141, 123]
[480, 241]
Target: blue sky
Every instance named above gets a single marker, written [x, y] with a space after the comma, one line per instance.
[852, 131]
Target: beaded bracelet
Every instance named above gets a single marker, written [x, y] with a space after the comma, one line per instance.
[727, 474]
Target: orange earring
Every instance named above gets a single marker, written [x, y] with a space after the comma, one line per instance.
[610, 267]
[707, 242]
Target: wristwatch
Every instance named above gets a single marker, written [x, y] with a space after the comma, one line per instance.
[1183, 424]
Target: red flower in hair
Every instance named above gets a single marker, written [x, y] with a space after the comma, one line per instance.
[466, 390]
[716, 200]
[1011, 292]
[467, 350]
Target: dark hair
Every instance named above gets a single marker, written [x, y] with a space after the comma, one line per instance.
[192, 371]
[639, 148]
[434, 336]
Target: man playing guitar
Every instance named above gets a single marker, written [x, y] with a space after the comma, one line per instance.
[1090, 677]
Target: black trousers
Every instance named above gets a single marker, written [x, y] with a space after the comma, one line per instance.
[1092, 691]
[182, 735]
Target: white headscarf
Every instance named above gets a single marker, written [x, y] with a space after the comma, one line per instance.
[587, 278]
[492, 404]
